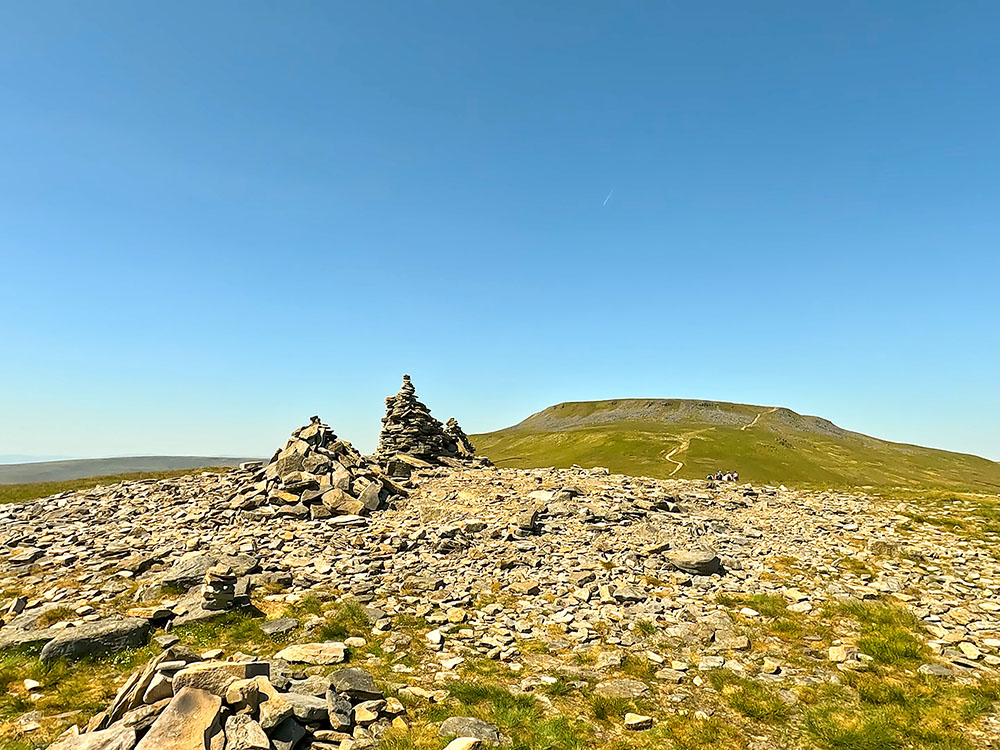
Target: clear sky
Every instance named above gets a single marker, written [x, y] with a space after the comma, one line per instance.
[217, 219]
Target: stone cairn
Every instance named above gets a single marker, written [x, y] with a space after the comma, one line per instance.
[411, 436]
[218, 592]
[316, 475]
[461, 440]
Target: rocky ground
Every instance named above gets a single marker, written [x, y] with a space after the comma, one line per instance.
[534, 608]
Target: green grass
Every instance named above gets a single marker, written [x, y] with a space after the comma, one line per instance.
[887, 632]
[752, 699]
[20, 493]
[608, 708]
[54, 615]
[897, 711]
[632, 436]
[86, 685]
[343, 620]
[238, 630]
[519, 717]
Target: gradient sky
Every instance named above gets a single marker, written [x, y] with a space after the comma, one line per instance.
[217, 219]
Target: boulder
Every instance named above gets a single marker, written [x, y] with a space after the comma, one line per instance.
[96, 638]
[467, 726]
[116, 738]
[356, 684]
[243, 733]
[307, 708]
[699, 562]
[287, 735]
[216, 676]
[190, 722]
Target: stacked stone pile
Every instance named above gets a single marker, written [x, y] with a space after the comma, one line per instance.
[462, 443]
[410, 431]
[218, 592]
[316, 475]
[181, 701]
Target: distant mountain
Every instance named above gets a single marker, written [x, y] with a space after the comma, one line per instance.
[689, 439]
[60, 471]
[25, 458]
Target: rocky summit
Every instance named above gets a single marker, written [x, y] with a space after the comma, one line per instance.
[312, 603]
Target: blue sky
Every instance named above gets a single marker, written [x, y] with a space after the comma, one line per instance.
[217, 219]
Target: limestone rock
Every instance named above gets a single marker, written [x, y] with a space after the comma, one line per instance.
[330, 652]
[243, 733]
[467, 726]
[699, 562]
[119, 737]
[215, 677]
[94, 638]
[192, 720]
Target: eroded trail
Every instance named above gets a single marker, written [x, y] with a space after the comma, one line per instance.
[685, 443]
[759, 415]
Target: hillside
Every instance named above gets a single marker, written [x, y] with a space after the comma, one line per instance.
[62, 471]
[688, 439]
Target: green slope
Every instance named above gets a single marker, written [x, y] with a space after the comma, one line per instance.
[764, 444]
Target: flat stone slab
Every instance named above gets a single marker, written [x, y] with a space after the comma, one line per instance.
[332, 652]
[190, 721]
[699, 562]
[622, 688]
[95, 638]
[116, 738]
[356, 683]
[216, 676]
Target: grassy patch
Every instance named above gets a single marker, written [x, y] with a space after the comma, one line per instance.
[238, 630]
[886, 708]
[767, 604]
[886, 632]
[519, 717]
[607, 707]
[645, 627]
[344, 619]
[80, 688]
[54, 615]
[752, 699]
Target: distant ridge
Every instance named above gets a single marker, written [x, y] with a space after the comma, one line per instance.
[60, 471]
[690, 438]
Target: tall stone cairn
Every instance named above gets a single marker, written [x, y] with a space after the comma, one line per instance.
[316, 475]
[410, 432]
[462, 443]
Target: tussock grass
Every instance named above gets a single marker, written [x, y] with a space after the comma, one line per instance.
[54, 615]
[518, 716]
[344, 619]
[752, 699]
[886, 632]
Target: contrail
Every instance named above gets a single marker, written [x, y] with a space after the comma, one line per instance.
[607, 198]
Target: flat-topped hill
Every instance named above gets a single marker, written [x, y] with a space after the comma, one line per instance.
[686, 438]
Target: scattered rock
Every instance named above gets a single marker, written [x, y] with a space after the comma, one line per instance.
[331, 652]
[467, 726]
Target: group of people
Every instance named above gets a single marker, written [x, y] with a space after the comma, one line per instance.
[724, 476]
